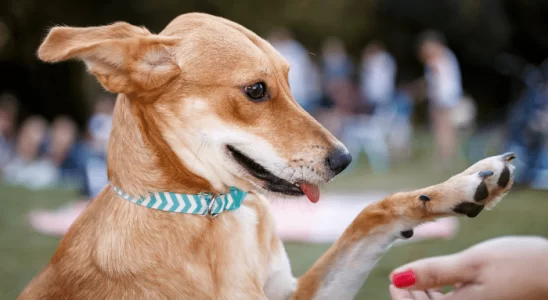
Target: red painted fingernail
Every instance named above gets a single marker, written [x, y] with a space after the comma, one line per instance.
[404, 279]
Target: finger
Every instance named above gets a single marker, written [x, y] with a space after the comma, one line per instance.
[467, 292]
[419, 295]
[434, 294]
[399, 294]
[434, 290]
[435, 272]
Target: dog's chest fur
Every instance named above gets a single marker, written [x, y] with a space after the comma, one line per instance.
[137, 252]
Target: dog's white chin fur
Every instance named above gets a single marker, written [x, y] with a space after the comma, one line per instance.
[203, 150]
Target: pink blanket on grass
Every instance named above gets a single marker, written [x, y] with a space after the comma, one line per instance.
[298, 220]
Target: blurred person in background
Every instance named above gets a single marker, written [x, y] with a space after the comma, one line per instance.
[54, 152]
[315, 90]
[65, 150]
[401, 130]
[538, 154]
[9, 107]
[94, 170]
[368, 127]
[337, 73]
[377, 77]
[528, 135]
[303, 78]
[390, 106]
[99, 127]
[444, 92]
[28, 168]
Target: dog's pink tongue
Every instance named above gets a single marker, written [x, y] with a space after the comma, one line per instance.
[311, 191]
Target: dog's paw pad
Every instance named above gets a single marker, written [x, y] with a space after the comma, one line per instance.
[406, 234]
[482, 192]
[504, 177]
[471, 210]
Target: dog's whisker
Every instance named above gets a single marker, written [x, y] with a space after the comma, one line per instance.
[202, 145]
[291, 177]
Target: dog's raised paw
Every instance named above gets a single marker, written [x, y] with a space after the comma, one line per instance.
[482, 185]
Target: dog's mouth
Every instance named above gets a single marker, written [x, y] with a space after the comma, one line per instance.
[272, 182]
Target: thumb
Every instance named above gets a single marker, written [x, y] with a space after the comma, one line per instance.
[435, 272]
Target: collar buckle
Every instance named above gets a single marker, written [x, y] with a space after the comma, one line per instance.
[210, 206]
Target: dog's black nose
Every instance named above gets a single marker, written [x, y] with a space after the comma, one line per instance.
[338, 160]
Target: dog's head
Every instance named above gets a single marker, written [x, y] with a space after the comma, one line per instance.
[216, 94]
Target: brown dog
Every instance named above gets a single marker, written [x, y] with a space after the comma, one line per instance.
[205, 106]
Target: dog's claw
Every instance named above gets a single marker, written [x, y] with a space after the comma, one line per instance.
[509, 156]
[485, 173]
[424, 198]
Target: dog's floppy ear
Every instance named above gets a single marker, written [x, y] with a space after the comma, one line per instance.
[125, 58]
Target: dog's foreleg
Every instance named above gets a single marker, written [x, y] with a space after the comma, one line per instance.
[342, 270]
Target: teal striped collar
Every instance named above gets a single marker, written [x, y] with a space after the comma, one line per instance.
[198, 204]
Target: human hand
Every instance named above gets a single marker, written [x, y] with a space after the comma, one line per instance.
[507, 268]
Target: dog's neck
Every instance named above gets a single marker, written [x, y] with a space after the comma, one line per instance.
[140, 161]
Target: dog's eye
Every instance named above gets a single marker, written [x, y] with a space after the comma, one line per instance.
[256, 91]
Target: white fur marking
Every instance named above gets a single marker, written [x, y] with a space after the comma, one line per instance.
[348, 274]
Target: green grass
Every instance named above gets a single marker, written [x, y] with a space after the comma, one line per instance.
[522, 213]
[23, 252]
